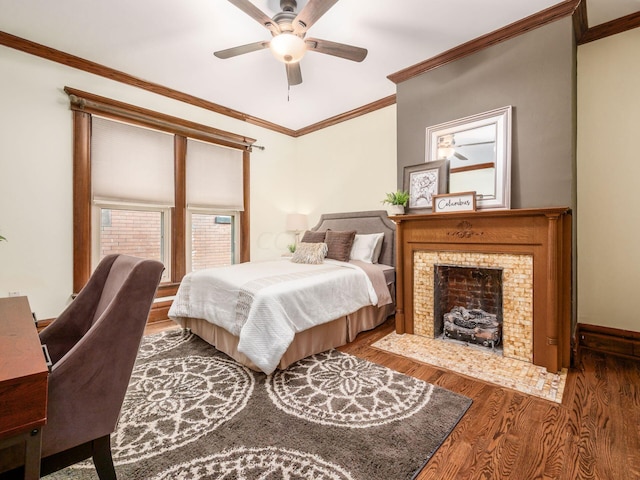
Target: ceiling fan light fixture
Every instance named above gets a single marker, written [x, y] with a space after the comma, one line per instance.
[287, 47]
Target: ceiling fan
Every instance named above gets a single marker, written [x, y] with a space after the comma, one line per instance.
[448, 147]
[289, 30]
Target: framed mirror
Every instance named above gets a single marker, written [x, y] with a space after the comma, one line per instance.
[478, 149]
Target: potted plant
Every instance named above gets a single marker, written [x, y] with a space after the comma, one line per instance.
[397, 201]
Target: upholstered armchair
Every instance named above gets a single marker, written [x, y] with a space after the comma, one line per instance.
[93, 346]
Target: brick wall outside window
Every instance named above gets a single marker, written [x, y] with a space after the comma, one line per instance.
[131, 232]
[210, 242]
[139, 233]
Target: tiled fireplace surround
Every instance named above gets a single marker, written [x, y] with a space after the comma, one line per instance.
[517, 295]
[533, 249]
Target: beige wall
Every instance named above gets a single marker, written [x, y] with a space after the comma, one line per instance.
[608, 213]
[347, 167]
[36, 172]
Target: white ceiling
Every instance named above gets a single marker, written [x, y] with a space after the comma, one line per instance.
[172, 43]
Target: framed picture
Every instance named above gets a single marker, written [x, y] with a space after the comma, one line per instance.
[423, 181]
[454, 202]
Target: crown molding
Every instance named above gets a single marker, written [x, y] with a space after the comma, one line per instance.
[619, 25]
[580, 21]
[79, 63]
[515, 29]
[351, 114]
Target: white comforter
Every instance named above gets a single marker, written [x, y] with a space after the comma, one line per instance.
[266, 303]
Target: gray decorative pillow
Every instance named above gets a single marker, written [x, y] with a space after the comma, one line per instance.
[312, 253]
[311, 236]
[339, 244]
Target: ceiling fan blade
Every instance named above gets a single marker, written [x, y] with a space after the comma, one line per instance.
[235, 51]
[341, 50]
[459, 156]
[471, 144]
[310, 14]
[254, 12]
[294, 74]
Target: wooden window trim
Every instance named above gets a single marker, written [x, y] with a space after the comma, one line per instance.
[83, 106]
[470, 168]
[81, 199]
[179, 211]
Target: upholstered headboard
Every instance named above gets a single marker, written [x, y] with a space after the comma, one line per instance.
[374, 221]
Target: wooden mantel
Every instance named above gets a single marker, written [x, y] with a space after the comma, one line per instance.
[545, 234]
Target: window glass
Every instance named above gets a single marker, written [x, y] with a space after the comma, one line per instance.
[136, 232]
[212, 240]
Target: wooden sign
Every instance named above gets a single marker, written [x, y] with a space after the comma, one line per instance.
[454, 202]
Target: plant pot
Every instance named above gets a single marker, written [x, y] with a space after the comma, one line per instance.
[396, 209]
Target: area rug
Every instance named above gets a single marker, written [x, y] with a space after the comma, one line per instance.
[467, 360]
[193, 413]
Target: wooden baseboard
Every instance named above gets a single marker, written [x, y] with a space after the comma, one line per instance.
[159, 311]
[614, 341]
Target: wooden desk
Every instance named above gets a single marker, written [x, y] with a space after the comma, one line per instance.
[23, 387]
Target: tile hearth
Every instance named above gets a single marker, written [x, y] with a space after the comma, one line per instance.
[467, 360]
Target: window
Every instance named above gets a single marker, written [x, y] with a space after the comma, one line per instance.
[156, 186]
[214, 196]
[132, 187]
[212, 240]
[138, 231]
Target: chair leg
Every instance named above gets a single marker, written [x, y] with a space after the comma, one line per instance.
[102, 458]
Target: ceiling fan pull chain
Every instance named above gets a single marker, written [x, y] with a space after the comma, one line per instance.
[288, 92]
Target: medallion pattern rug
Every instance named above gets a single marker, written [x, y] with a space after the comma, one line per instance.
[193, 413]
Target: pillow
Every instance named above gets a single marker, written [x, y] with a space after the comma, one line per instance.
[378, 249]
[313, 237]
[312, 253]
[364, 247]
[339, 244]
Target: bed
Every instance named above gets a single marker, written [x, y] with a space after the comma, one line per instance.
[268, 315]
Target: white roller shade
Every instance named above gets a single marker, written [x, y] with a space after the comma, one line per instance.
[131, 163]
[214, 176]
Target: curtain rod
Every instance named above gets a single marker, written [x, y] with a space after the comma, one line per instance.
[82, 104]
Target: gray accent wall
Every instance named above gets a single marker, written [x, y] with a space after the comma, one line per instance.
[535, 74]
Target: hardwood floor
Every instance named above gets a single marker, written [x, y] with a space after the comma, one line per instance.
[159, 326]
[593, 434]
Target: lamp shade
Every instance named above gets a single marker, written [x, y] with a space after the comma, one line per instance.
[296, 222]
[287, 47]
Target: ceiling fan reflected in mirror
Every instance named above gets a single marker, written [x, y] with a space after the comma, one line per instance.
[449, 148]
[289, 30]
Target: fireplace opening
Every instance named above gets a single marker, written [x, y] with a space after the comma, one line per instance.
[468, 305]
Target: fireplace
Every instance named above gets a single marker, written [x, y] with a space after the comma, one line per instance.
[532, 248]
[468, 304]
[515, 302]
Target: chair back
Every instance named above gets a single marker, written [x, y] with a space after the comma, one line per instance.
[93, 345]
[121, 268]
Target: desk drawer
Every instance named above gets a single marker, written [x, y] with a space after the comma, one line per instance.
[23, 404]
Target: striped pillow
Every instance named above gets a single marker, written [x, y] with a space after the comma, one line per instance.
[339, 244]
[311, 236]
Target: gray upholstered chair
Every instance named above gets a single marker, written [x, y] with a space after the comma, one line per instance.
[93, 346]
